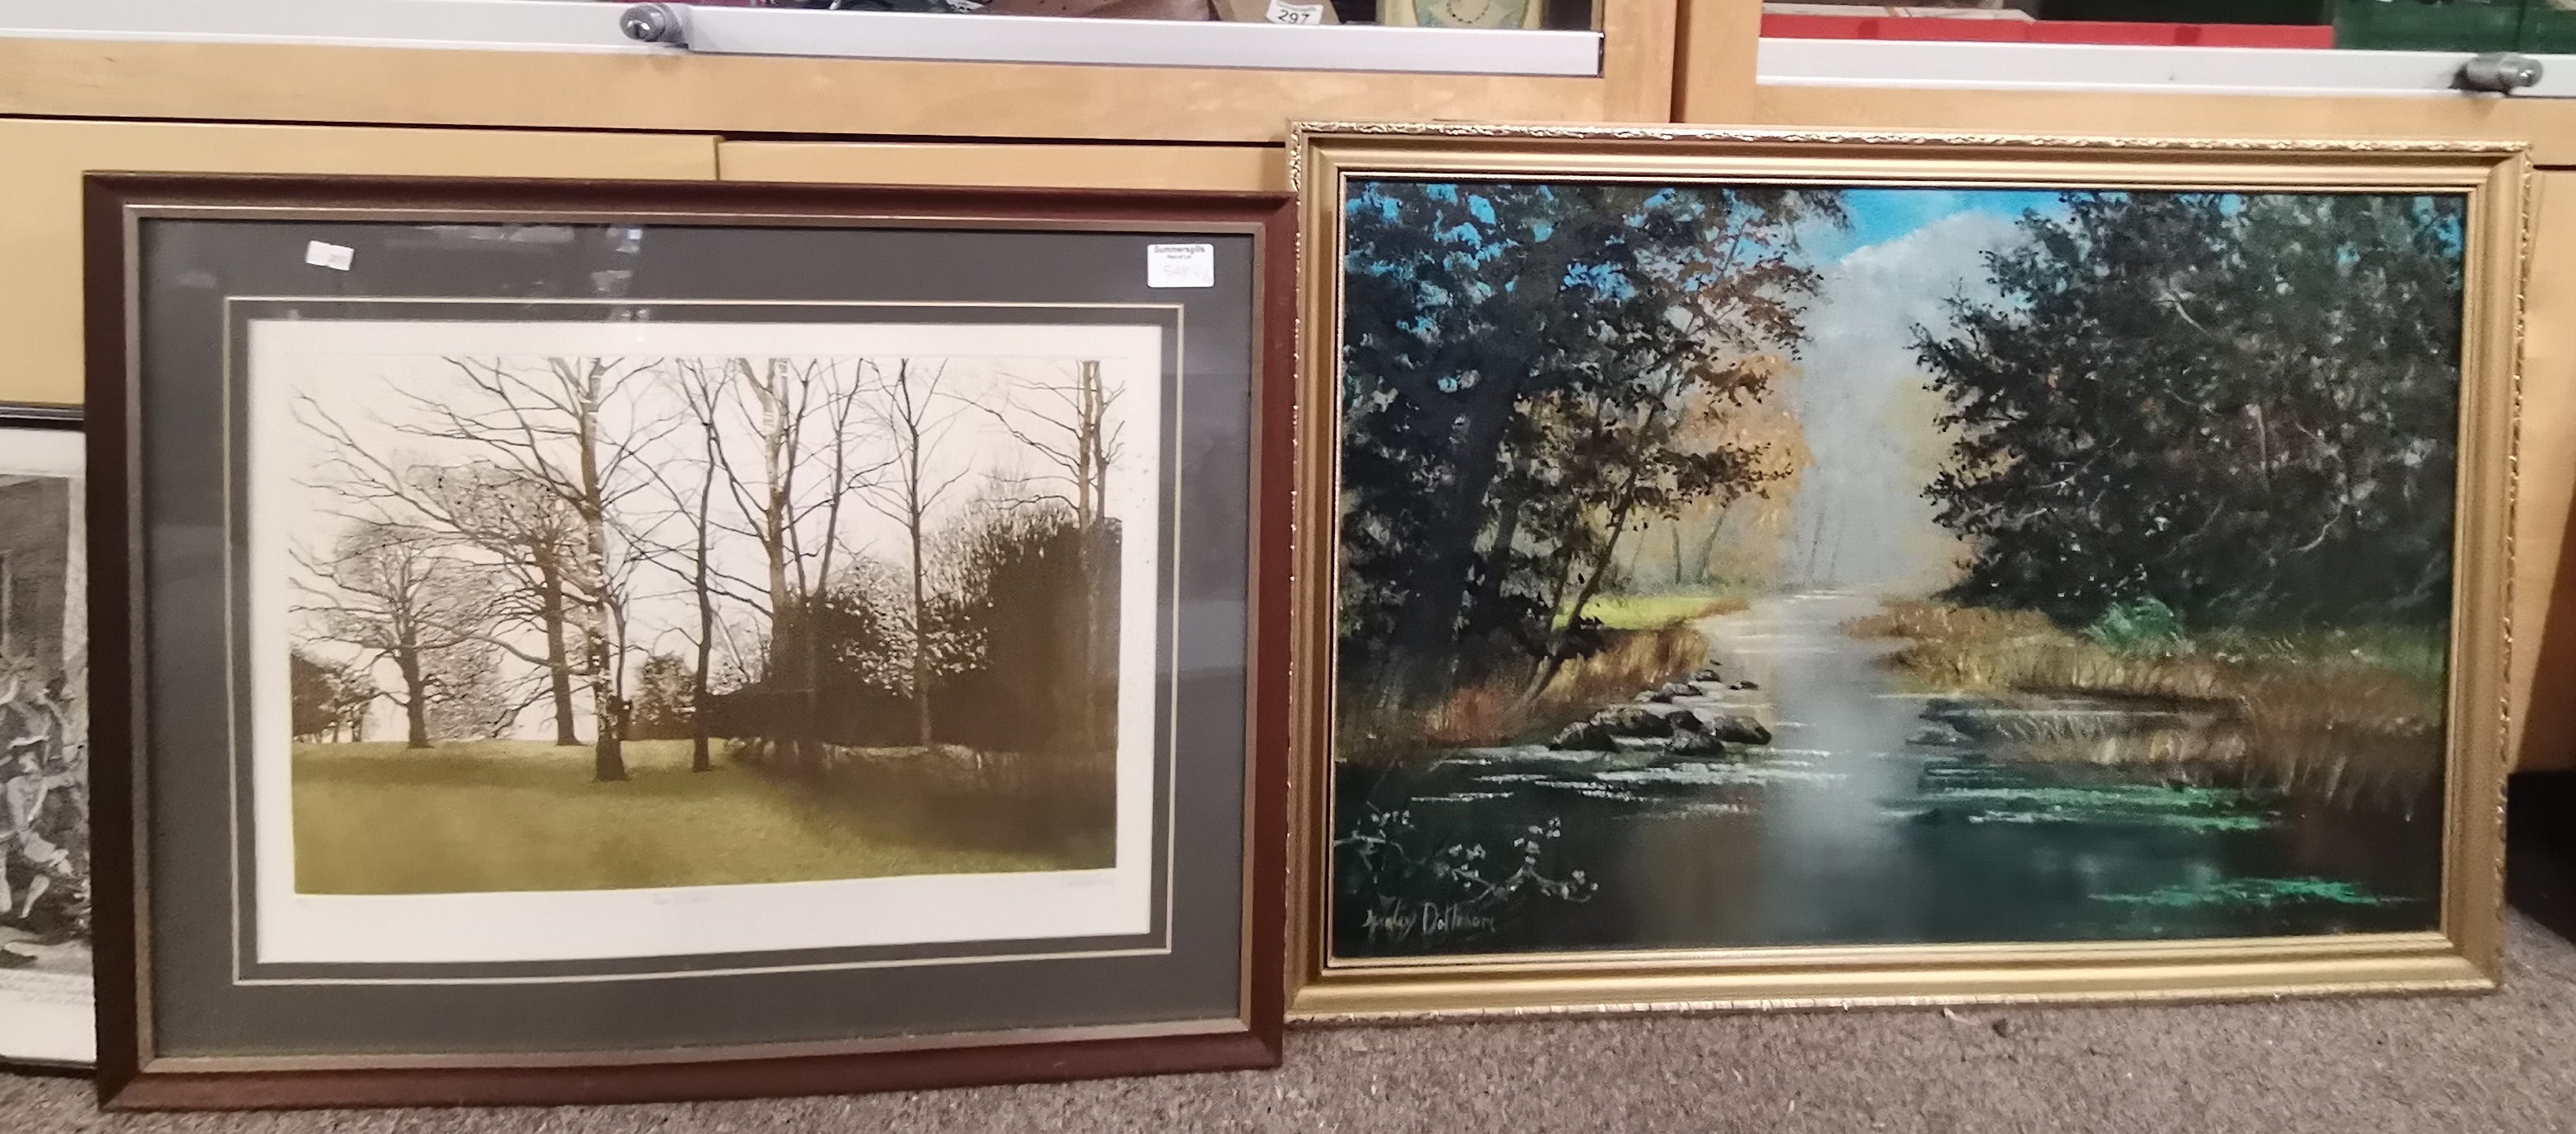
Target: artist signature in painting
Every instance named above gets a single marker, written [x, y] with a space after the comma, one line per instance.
[1430, 920]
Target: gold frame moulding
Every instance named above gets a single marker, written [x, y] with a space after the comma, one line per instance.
[2463, 954]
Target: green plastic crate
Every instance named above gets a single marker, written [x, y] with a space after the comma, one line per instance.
[2428, 25]
[2547, 27]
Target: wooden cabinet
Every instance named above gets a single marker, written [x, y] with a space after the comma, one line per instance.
[744, 94]
[1243, 168]
[2543, 689]
[40, 199]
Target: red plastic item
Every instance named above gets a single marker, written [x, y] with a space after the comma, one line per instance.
[1981, 31]
[1933, 28]
[1818, 27]
[2320, 36]
[2106, 32]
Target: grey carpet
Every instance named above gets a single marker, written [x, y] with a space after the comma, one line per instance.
[2505, 1062]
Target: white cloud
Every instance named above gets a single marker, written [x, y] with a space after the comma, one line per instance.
[1861, 515]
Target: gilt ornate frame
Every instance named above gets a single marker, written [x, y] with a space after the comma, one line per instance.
[2464, 954]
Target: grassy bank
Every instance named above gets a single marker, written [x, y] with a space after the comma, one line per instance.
[1647, 641]
[1061, 806]
[2334, 714]
[376, 818]
[1655, 612]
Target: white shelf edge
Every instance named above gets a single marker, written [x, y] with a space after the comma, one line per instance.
[583, 26]
[1145, 43]
[2107, 68]
[523, 25]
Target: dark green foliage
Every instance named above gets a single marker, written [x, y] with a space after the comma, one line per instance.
[1032, 663]
[2242, 406]
[326, 700]
[665, 699]
[1529, 372]
[2134, 624]
[858, 699]
[1024, 650]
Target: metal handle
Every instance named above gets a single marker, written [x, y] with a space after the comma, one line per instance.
[2501, 72]
[656, 23]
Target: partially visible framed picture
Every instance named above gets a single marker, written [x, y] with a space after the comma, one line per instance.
[1464, 13]
[622, 641]
[1741, 569]
[45, 1004]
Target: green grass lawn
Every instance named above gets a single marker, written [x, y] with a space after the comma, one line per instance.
[377, 818]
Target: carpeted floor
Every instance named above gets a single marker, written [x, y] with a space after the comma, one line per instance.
[2505, 1062]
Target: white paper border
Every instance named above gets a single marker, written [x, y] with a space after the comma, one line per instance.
[693, 921]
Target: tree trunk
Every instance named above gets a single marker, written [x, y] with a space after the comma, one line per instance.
[1507, 509]
[812, 714]
[1591, 584]
[780, 440]
[920, 597]
[415, 697]
[1091, 491]
[607, 704]
[608, 760]
[699, 760]
[558, 657]
[1426, 636]
[1708, 544]
[920, 621]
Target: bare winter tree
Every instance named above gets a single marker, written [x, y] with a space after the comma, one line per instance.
[522, 523]
[393, 593]
[913, 415]
[705, 397]
[802, 418]
[704, 386]
[561, 426]
[1070, 432]
[471, 701]
[535, 536]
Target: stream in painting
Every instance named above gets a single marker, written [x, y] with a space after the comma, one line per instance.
[1873, 815]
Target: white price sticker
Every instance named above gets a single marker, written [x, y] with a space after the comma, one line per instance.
[1180, 265]
[330, 256]
[1283, 12]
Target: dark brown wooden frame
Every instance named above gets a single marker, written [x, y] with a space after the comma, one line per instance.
[126, 1078]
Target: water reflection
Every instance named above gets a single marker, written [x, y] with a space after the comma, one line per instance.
[1875, 816]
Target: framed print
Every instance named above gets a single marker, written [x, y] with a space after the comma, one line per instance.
[1739, 569]
[1464, 13]
[45, 1003]
[586, 641]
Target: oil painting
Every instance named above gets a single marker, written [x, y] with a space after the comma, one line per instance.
[686, 611]
[45, 961]
[1763, 565]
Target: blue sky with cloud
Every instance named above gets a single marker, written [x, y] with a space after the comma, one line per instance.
[1864, 411]
[1882, 215]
